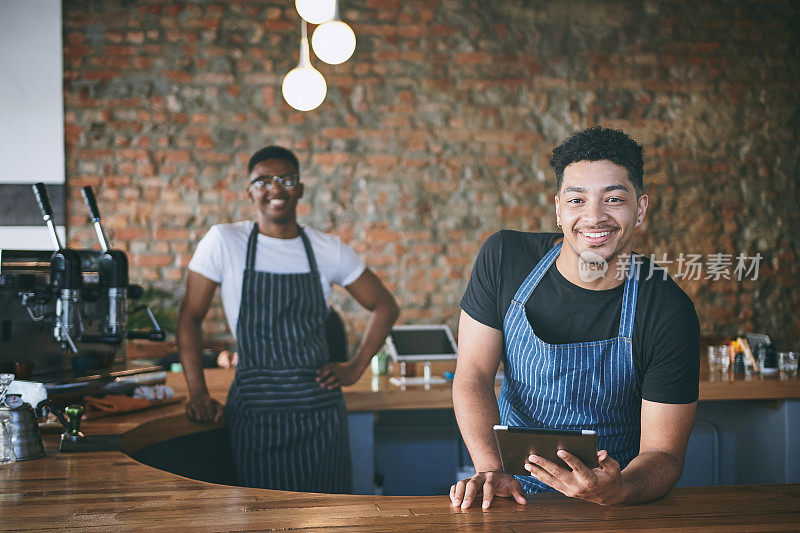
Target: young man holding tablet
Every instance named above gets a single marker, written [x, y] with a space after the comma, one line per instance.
[588, 340]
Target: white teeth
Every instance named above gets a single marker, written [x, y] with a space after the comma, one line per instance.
[597, 235]
[277, 202]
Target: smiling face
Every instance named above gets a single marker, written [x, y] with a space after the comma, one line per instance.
[598, 210]
[276, 205]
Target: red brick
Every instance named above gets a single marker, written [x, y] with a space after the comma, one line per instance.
[202, 24]
[171, 234]
[383, 160]
[376, 236]
[416, 163]
[152, 9]
[103, 75]
[204, 142]
[331, 158]
[143, 63]
[119, 50]
[173, 156]
[179, 76]
[129, 234]
[99, 153]
[472, 58]
[268, 96]
[340, 133]
[152, 261]
[281, 25]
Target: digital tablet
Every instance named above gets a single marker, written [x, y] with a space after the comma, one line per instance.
[517, 443]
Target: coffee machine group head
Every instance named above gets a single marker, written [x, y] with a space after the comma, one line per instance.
[66, 278]
[112, 270]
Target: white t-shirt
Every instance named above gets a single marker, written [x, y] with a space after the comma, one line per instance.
[220, 257]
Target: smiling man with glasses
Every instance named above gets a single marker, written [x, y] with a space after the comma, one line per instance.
[285, 409]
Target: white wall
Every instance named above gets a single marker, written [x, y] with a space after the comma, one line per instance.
[31, 104]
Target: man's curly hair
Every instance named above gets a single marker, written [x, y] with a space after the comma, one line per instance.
[597, 144]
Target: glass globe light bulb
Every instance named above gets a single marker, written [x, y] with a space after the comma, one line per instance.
[333, 42]
[304, 88]
[316, 11]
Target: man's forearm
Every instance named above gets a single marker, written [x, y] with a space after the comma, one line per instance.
[475, 406]
[189, 343]
[378, 327]
[651, 475]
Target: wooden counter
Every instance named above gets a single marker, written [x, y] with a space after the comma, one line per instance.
[105, 491]
[378, 394]
[109, 490]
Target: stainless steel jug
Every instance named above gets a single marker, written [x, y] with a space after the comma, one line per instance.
[27, 440]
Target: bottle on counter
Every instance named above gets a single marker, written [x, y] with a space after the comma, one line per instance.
[767, 359]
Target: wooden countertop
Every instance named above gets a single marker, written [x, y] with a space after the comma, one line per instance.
[100, 491]
[377, 393]
[142, 428]
[105, 491]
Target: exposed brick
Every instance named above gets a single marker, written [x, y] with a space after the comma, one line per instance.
[166, 234]
[439, 131]
[331, 158]
[152, 260]
[471, 58]
[341, 133]
[382, 160]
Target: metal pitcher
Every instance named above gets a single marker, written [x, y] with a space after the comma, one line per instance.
[27, 440]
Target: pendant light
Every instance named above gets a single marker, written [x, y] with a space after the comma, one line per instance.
[316, 11]
[334, 41]
[304, 87]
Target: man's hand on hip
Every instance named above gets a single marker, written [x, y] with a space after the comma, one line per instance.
[204, 408]
[489, 484]
[334, 375]
[603, 485]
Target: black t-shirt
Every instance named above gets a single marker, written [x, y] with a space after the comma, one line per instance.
[666, 331]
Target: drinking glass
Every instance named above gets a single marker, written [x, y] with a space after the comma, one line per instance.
[5, 381]
[719, 358]
[7, 455]
[714, 363]
[787, 363]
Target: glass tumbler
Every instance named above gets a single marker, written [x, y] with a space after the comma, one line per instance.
[719, 358]
[7, 455]
[787, 363]
[714, 362]
[5, 381]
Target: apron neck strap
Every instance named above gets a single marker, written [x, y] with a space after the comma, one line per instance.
[312, 261]
[629, 297]
[252, 242]
[250, 257]
[526, 289]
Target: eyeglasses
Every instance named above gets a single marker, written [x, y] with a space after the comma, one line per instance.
[287, 181]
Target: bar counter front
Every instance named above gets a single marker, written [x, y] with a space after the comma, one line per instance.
[99, 491]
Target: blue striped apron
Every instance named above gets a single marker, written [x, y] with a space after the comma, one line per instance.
[581, 385]
[286, 431]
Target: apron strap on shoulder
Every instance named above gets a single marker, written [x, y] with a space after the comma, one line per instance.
[312, 261]
[250, 257]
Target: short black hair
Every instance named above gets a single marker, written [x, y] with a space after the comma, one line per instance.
[597, 144]
[273, 152]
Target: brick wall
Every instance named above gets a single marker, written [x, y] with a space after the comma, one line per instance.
[438, 132]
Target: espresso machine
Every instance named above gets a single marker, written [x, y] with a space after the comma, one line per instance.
[65, 311]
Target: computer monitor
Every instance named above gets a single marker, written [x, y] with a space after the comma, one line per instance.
[421, 343]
